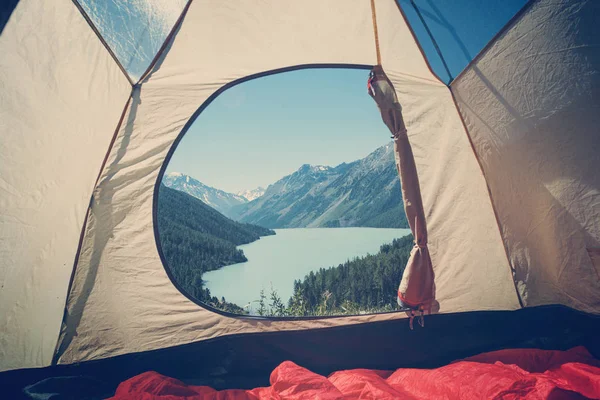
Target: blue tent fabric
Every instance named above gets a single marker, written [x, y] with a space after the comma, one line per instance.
[460, 28]
[6, 9]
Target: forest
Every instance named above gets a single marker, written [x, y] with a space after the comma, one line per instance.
[195, 239]
[363, 285]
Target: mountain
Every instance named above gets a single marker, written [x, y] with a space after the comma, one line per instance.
[365, 192]
[195, 239]
[218, 199]
[251, 194]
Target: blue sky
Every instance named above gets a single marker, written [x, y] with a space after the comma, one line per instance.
[260, 130]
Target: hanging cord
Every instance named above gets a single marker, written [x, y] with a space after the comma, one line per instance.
[374, 15]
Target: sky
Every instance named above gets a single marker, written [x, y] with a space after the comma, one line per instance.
[261, 130]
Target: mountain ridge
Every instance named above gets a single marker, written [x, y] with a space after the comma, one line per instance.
[365, 192]
[196, 238]
[218, 199]
[251, 194]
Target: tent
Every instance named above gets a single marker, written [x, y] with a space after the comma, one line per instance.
[506, 152]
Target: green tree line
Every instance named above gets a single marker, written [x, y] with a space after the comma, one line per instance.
[366, 284]
[196, 238]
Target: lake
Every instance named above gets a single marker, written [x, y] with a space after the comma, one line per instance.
[291, 254]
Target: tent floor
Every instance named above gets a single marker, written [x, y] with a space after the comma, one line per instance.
[245, 361]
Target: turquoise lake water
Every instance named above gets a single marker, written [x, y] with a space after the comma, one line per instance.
[289, 255]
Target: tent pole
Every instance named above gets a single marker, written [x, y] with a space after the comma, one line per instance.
[101, 38]
[375, 32]
[437, 48]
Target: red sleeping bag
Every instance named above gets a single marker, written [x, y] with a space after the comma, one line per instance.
[504, 374]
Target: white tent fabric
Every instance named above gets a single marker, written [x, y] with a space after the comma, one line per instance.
[61, 97]
[531, 126]
[122, 296]
[532, 108]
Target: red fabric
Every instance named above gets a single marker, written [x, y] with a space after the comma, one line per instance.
[505, 374]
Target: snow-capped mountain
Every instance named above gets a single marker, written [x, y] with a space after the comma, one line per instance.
[365, 192]
[218, 199]
[252, 194]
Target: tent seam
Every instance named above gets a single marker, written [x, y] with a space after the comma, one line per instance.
[339, 329]
[351, 326]
[493, 40]
[91, 24]
[412, 32]
[469, 66]
[489, 191]
[375, 32]
[55, 354]
[437, 48]
[168, 39]
[466, 130]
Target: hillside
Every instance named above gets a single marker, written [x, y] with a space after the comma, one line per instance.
[363, 193]
[196, 238]
[363, 285]
[218, 199]
[252, 194]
